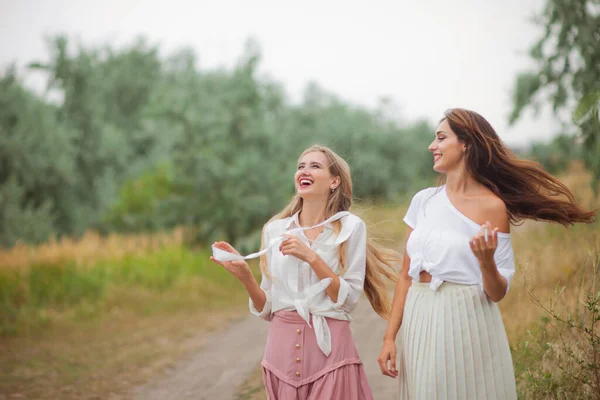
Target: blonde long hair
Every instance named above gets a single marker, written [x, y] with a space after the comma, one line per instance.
[380, 261]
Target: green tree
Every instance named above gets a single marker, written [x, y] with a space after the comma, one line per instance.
[386, 159]
[132, 141]
[105, 98]
[227, 180]
[36, 163]
[567, 72]
[556, 155]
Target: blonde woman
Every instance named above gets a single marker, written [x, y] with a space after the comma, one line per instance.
[459, 263]
[317, 261]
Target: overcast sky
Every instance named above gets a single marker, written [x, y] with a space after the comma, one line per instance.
[427, 55]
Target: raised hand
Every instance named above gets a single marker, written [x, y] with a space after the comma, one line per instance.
[293, 246]
[240, 269]
[484, 244]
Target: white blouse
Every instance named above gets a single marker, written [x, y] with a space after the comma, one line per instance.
[293, 284]
[439, 243]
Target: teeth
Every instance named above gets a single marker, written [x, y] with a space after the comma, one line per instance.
[305, 182]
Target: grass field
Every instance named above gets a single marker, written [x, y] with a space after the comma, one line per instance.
[98, 315]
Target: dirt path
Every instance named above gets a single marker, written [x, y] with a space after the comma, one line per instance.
[227, 358]
[232, 355]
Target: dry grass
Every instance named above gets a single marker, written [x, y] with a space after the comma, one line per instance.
[560, 357]
[547, 258]
[88, 249]
[548, 255]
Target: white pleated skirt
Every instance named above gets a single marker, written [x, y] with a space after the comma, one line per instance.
[453, 345]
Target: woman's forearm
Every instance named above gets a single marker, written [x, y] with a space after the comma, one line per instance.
[397, 313]
[404, 282]
[322, 271]
[257, 295]
[494, 284]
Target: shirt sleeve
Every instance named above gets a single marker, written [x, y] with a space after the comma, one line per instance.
[505, 259]
[353, 279]
[265, 284]
[413, 210]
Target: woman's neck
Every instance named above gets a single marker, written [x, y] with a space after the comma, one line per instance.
[460, 181]
[312, 212]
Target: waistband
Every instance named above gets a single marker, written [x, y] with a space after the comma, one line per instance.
[445, 286]
[290, 317]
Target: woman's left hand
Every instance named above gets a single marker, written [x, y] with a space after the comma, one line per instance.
[484, 245]
[293, 246]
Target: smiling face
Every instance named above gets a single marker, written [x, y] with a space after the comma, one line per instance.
[448, 151]
[313, 177]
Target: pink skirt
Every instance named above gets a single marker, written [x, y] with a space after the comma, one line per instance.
[295, 368]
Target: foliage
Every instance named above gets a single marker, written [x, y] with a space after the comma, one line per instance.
[127, 140]
[567, 70]
[558, 154]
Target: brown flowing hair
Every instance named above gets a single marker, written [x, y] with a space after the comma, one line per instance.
[380, 261]
[526, 188]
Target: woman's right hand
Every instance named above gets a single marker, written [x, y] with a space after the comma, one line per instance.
[240, 269]
[388, 353]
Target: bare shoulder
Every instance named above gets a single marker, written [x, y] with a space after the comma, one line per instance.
[494, 210]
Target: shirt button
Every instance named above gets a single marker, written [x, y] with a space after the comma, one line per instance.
[297, 346]
[298, 359]
[298, 331]
[297, 373]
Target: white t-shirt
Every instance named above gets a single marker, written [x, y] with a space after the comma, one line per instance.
[439, 243]
[293, 285]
